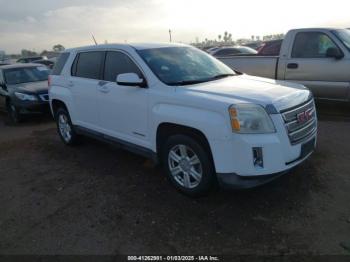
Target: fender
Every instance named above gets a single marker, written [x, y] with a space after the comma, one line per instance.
[213, 125]
[64, 95]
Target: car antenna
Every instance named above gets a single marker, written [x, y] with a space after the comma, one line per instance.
[94, 39]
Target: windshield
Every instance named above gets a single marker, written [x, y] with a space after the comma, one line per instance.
[184, 65]
[344, 36]
[14, 76]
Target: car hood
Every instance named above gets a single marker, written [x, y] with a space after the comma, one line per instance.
[257, 90]
[32, 87]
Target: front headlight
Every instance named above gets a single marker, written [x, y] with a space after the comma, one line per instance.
[250, 119]
[25, 97]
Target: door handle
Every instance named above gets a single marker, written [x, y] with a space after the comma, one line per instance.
[292, 66]
[102, 83]
[103, 89]
[102, 86]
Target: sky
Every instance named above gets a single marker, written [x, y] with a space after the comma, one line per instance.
[40, 24]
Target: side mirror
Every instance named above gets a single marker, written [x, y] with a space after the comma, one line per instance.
[130, 79]
[334, 52]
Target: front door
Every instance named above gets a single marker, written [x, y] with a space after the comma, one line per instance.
[123, 110]
[308, 65]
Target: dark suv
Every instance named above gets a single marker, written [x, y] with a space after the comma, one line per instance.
[24, 89]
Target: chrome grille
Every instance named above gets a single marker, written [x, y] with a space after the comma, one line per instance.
[44, 97]
[298, 130]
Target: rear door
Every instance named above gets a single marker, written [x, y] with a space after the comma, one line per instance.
[123, 110]
[86, 75]
[307, 64]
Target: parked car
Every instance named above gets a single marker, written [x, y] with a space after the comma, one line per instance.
[2, 55]
[31, 59]
[318, 58]
[212, 49]
[233, 51]
[182, 107]
[49, 63]
[255, 45]
[24, 89]
[270, 48]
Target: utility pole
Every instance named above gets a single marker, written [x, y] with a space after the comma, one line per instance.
[170, 35]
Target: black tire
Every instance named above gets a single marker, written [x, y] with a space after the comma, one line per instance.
[208, 179]
[73, 138]
[13, 112]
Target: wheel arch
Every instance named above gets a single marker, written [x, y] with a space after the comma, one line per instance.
[168, 129]
[56, 104]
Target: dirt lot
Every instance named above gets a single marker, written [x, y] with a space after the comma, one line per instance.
[95, 199]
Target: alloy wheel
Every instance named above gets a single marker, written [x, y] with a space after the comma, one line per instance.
[185, 166]
[64, 127]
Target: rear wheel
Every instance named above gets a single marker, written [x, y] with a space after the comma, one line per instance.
[65, 127]
[188, 165]
[13, 112]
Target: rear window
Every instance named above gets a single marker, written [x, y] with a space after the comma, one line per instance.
[88, 65]
[61, 61]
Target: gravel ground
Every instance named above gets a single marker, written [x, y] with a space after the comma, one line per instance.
[95, 199]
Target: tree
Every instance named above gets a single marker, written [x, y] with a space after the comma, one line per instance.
[225, 36]
[58, 48]
[219, 37]
[28, 53]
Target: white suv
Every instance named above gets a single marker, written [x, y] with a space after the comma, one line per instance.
[204, 122]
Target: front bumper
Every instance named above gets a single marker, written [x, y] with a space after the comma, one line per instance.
[234, 162]
[33, 107]
[234, 181]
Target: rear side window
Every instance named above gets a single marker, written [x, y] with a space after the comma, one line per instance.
[118, 63]
[311, 45]
[61, 61]
[88, 65]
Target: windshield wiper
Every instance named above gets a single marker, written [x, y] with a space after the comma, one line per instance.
[187, 82]
[192, 82]
[222, 76]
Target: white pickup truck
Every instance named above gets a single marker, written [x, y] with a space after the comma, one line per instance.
[180, 106]
[318, 58]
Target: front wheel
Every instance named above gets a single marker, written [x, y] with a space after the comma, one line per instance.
[13, 112]
[65, 127]
[188, 165]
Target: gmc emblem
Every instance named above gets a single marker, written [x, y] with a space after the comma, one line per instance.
[305, 116]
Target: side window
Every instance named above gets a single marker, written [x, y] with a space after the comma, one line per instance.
[311, 45]
[118, 63]
[61, 61]
[88, 65]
